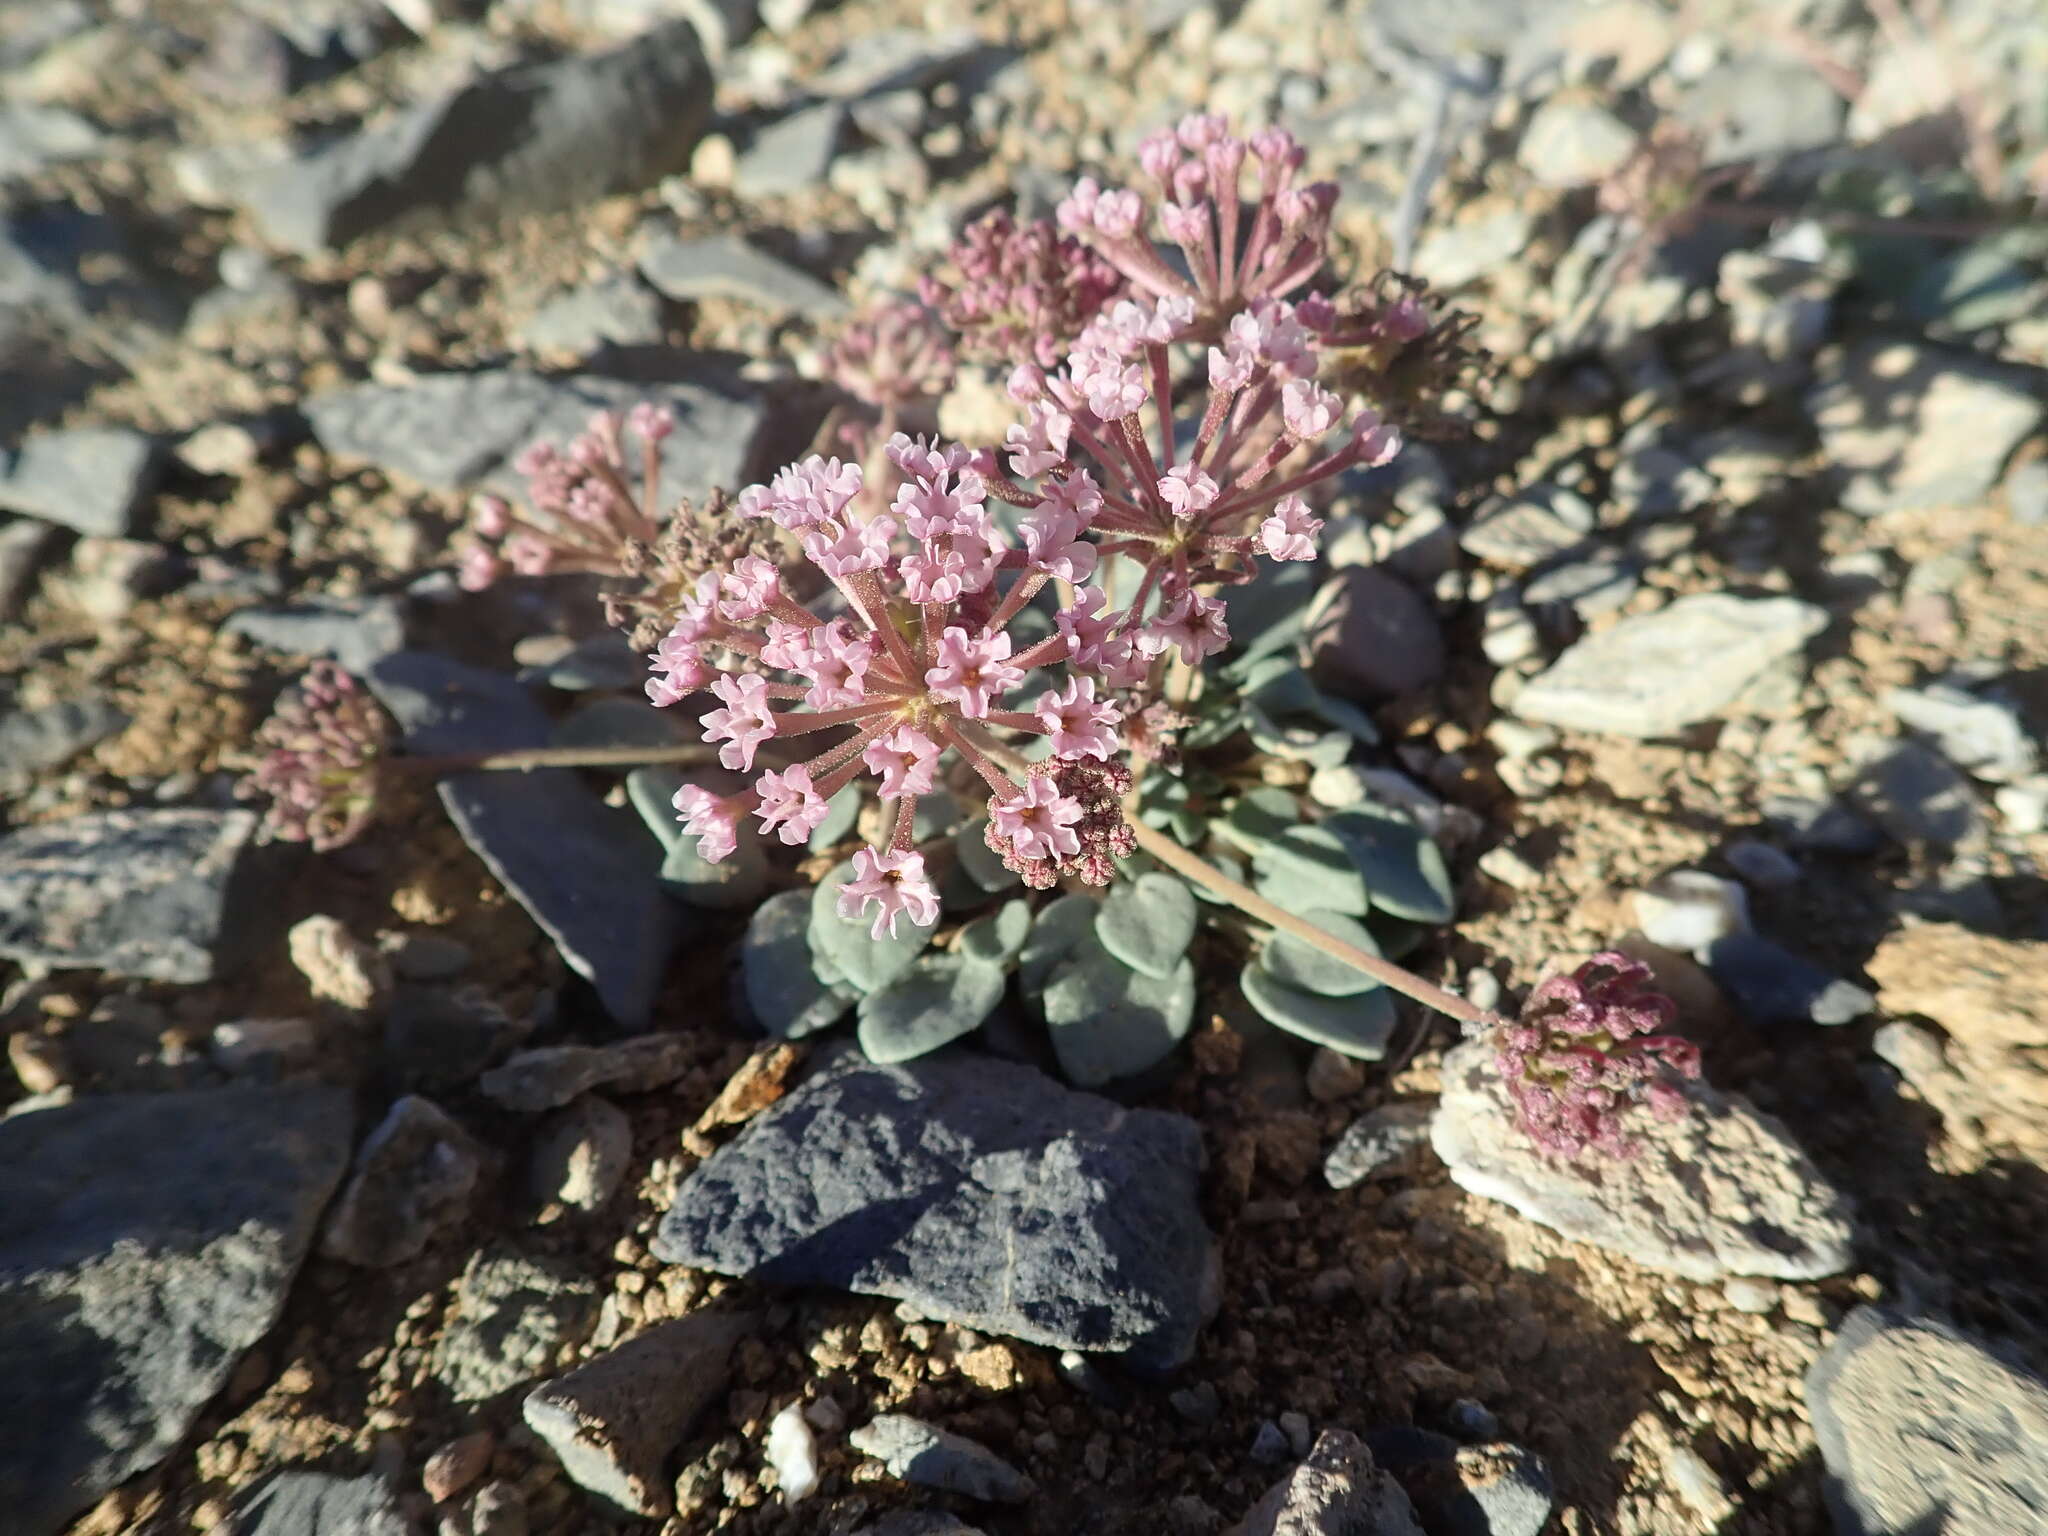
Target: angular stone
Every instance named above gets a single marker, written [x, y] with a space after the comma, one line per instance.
[315, 1504]
[1755, 106]
[1471, 1490]
[32, 740]
[585, 872]
[551, 1076]
[1571, 143]
[727, 267]
[453, 431]
[616, 311]
[91, 479]
[1917, 795]
[1911, 426]
[614, 1420]
[1771, 985]
[1983, 735]
[534, 139]
[1372, 636]
[581, 1153]
[414, 1174]
[931, 1457]
[1721, 1191]
[1656, 673]
[135, 893]
[146, 1242]
[356, 632]
[1374, 1141]
[1338, 1491]
[980, 1191]
[1922, 1428]
[514, 1313]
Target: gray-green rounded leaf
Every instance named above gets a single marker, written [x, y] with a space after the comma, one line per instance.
[1299, 964]
[1258, 816]
[1059, 927]
[1306, 867]
[934, 1003]
[782, 989]
[652, 791]
[1403, 869]
[983, 867]
[1353, 1026]
[842, 811]
[737, 880]
[999, 937]
[845, 944]
[1109, 1021]
[1148, 923]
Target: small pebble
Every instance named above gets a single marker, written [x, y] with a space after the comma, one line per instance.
[1333, 1076]
[1744, 1294]
[1510, 869]
[1474, 1420]
[1689, 910]
[1762, 864]
[1296, 1427]
[451, 1469]
[1270, 1443]
[792, 1450]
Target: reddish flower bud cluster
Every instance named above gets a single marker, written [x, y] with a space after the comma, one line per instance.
[323, 766]
[1018, 292]
[1588, 1046]
[1092, 838]
[892, 356]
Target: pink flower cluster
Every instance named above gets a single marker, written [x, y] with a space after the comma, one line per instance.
[322, 766]
[1587, 1046]
[1014, 291]
[892, 356]
[582, 506]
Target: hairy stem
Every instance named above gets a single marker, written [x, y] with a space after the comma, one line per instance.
[528, 758]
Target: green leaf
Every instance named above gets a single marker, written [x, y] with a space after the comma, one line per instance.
[652, 791]
[1299, 964]
[1308, 867]
[1403, 869]
[1148, 923]
[1258, 816]
[980, 861]
[841, 812]
[737, 880]
[1060, 926]
[1354, 1026]
[845, 945]
[934, 1003]
[785, 994]
[999, 937]
[1109, 1021]
[937, 814]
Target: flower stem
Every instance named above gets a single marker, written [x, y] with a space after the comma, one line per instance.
[528, 758]
[1249, 901]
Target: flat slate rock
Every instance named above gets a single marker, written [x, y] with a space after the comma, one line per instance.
[1912, 426]
[315, 1504]
[452, 431]
[356, 632]
[146, 1242]
[727, 267]
[1722, 1191]
[1923, 1429]
[585, 872]
[534, 139]
[978, 1190]
[133, 892]
[32, 740]
[932, 1457]
[94, 480]
[1657, 673]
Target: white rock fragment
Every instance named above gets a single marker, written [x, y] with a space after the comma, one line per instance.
[1720, 1191]
[792, 1450]
[1689, 910]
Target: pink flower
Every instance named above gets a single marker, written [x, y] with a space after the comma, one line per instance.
[814, 491]
[1290, 533]
[1230, 371]
[1192, 622]
[1187, 490]
[972, 671]
[1053, 543]
[890, 882]
[837, 667]
[744, 723]
[905, 759]
[1040, 442]
[788, 798]
[477, 569]
[712, 819]
[787, 646]
[748, 589]
[1038, 822]
[1080, 724]
[1377, 442]
[1088, 633]
[1308, 409]
[861, 547]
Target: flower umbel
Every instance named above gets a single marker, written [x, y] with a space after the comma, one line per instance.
[324, 760]
[1588, 1046]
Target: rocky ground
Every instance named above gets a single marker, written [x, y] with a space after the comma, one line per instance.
[436, 1184]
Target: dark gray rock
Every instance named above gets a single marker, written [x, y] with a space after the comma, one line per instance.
[1917, 795]
[1479, 1490]
[1375, 1140]
[34, 137]
[356, 632]
[32, 740]
[931, 1457]
[91, 479]
[614, 1420]
[727, 267]
[414, 1174]
[1981, 734]
[452, 431]
[580, 1153]
[514, 1314]
[1601, 582]
[1371, 636]
[980, 1191]
[315, 1504]
[23, 545]
[550, 1077]
[145, 1244]
[792, 154]
[1923, 1428]
[585, 872]
[1774, 986]
[137, 893]
[1823, 826]
[534, 139]
[613, 311]
[437, 1038]
[1911, 426]
[1338, 1491]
